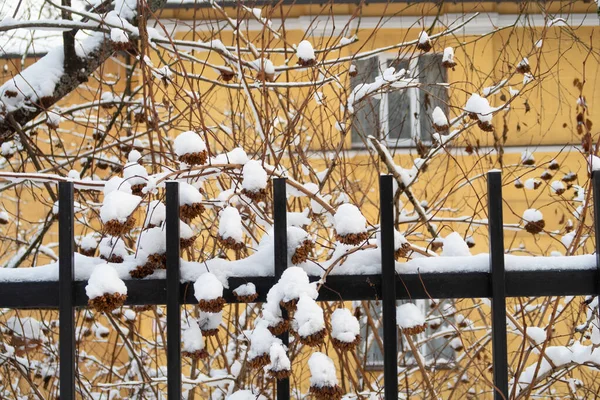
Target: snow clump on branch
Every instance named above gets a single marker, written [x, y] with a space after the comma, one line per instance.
[345, 330]
[350, 225]
[208, 290]
[254, 181]
[305, 54]
[231, 234]
[116, 211]
[190, 202]
[323, 379]
[193, 343]
[105, 290]
[534, 221]
[308, 323]
[479, 109]
[410, 319]
[190, 148]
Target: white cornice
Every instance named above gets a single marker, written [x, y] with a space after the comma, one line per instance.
[326, 25]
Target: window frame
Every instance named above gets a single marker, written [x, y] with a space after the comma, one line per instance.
[384, 112]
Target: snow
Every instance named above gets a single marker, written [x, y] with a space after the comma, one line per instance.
[192, 339]
[261, 340]
[308, 318]
[188, 142]
[439, 118]
[322, 370]
[299, 218]
[531, 183]
[557, 186]
[88, 242]
[594, 163]
[53, 119]
[152, 241]
[254, 176]
[538, 335]
[235, 156]
[117, 183]
[118, 35]
[279, 358]
[104, 280]
[408, 315]
[264, 64]
[208, 287]
[118, 206]
[293, 284]
[209, 321]
[27, 327]
[480, 106]
[188, 194]
[523, 63]
[344, 325]
[305, 51]
[527, 157]
[247, 289]
[156, 213]
[448, 55]
[134, 156]
[295, 237]
[532, 215]
[245, 395]
[455, 246]
[185, 231]
[348, 219]
[112, 246]
[423, 37]
[230, 225]
[135, 174]
[126, 8]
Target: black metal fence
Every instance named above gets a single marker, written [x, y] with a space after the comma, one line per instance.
[66, 293]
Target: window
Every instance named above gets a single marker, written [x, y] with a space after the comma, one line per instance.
[437, 350]
[400, 117]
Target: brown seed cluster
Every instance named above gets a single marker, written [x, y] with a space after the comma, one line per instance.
[449, 64]
[186, 243]
[256, 196]
[280, 374]
[196, 355]
[326, 392]
[306, 63]
[290, 305]
[209, 332]
[523, 68]
[402, 251]
[345, 346]
[138, 189]
[230, 243]
[414, 330]
[247, 298]
[23, 345]
[259, 361]
[441, 128]
[303, 251]
[281, 327]
[535, 227]
[107, 302]
[314, 340]
[190, 211]
[198, 158]
[141, 271]
[116, 228]
[425, 46]
[485, 126]
[212, 306]
[353, 239]
[87, 252]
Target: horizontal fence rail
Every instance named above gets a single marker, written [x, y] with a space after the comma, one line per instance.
[389, 286]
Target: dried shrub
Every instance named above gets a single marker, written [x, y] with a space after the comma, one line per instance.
[326, 392]
[353, 239]
[107, 302]
[116, 228]
[302, 252]
[212, 306]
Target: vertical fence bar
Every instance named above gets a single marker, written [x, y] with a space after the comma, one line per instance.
[66, 315]
[173, 300]
[388, 288]
[496, 233]
[281, 260]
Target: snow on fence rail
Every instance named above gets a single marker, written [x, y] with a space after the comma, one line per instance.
[373, 275]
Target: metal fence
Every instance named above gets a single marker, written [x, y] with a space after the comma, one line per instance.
[66, 293]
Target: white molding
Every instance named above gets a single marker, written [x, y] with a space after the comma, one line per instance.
[322, 25]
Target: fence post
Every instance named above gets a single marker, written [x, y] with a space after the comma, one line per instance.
[496, 234]
[281, 260]
[388, 288]
[66, 266]
[173, 300]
